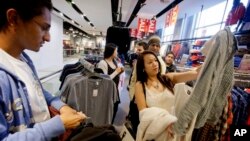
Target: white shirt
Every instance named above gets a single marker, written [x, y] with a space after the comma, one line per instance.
[23, 72]
[164, 100]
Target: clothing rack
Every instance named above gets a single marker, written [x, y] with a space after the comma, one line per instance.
[242, 80]
[206, 37]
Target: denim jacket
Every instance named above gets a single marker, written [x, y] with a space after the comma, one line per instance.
[15, 110]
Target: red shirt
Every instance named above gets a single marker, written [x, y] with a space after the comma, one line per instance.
[235, 15]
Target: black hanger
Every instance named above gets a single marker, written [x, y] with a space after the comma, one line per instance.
[95, 76]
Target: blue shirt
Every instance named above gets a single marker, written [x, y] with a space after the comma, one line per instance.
[15, 110]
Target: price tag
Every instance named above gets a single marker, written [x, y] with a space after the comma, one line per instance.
[95, 92]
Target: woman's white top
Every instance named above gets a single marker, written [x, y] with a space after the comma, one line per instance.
[164, 99]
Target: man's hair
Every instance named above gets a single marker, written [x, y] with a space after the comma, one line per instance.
[143, 44]
[170, 52]
[26, 9]
[109, 50]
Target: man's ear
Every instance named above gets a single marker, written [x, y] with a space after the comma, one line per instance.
[12, 17]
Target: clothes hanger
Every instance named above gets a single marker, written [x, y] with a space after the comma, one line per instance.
[95, 76]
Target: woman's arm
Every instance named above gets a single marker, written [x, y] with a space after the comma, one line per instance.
[179, 77]
[104, 66]
[140, 96]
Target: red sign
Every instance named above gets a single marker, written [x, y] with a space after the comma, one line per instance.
[168, 19]
[152, 26]
[139, 35]
[142, 25]
[133, 32]
[171, 16]
[174, 14]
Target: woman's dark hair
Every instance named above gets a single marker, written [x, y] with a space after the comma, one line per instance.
[109, 50]
[26, 9]
[142, 75]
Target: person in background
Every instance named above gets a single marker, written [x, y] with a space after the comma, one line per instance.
[109, 64]
[169, 60]
[24, 114]
[139, 48]
[158, 99]
[110, 67]
[154, 45]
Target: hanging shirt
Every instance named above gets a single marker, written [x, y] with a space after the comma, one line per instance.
[94, 97]
[36, 98]
[235, 15]
[247, 14]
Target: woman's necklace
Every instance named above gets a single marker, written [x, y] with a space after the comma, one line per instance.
[156, 86]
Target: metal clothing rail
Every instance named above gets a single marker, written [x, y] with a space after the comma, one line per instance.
[189, 39]
[206, 37]
[49, 75]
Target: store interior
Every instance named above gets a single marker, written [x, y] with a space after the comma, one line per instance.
[80, 30]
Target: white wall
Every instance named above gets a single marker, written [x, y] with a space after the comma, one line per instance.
[50, 56]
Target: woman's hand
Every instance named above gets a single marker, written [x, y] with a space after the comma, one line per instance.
[119, 70]
[198, 69]
[169, 131]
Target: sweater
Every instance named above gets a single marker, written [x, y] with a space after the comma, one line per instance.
[214, 83]
[153, 124]
[15, 112]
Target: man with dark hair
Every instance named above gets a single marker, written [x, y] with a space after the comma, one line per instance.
[139, 48]
[169, 60]
[24, 114]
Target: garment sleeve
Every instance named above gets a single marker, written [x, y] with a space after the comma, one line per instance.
[104, 66]
[43, 131]
[53, 101]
